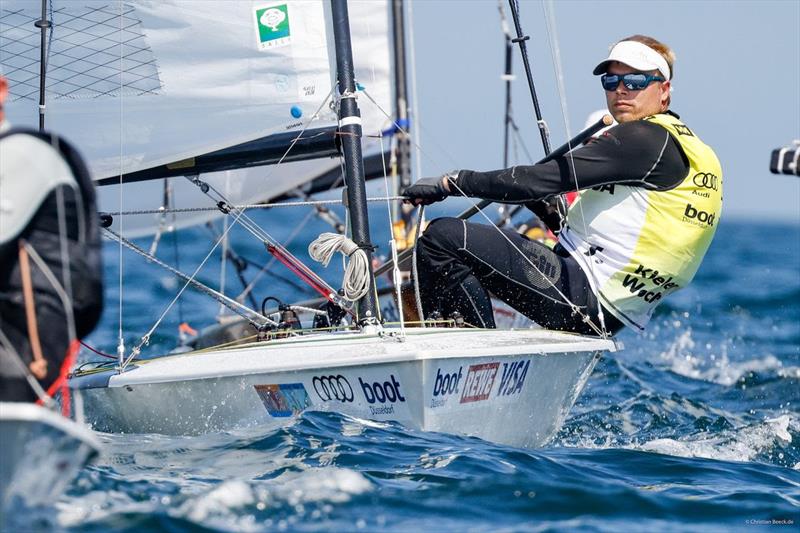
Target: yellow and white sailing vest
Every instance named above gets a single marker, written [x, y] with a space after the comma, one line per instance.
[636, 245]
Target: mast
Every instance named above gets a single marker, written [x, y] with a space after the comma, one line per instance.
[350, 133]
[520, 39]
[43, 24]
[508, 77]
[401, 97]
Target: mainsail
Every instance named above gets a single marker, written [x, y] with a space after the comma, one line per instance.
[144, 85]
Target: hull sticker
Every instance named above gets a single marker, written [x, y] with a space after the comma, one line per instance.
[479, 382]
[283, 400]
[513, 377]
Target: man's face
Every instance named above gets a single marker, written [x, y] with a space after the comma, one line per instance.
[626, 105]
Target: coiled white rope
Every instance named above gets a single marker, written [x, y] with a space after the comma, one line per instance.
[356, 275]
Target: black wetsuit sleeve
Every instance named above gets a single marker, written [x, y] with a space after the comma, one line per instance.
[638, 153]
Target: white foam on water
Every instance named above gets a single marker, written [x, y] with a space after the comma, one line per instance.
[717, 368]
[327, 455]
[743, 444]
[427, 460]
[160, 456]
[96, 506]
[221, 499]
[790, 372]
[221, 505]
[371, 423]
[354, 427]
[351, 428]
[328, 484]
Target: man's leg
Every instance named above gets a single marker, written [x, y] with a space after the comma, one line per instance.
[458, 262]
[447, 283]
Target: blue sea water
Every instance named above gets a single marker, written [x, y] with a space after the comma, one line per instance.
[694, 426]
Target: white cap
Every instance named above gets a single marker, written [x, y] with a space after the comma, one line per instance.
[636, 55]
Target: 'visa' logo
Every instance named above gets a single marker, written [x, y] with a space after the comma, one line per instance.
[513, 377]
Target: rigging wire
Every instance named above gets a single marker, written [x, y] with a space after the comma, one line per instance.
[417, 294]
[411, 138]
[225, 246]
[415, 118]
[121, 341]
[235, 306]
[249, 288]
[298, 203]
[396, 277]
[253, 228]
[521, 40]
[241, 218]
[575, 308]
[555, 51]
[175, 247]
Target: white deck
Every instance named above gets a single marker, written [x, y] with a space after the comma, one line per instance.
[354, 349]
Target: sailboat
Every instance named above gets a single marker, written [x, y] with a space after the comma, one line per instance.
[42, 453]
[274, 83]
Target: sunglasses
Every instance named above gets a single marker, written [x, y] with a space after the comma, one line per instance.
[635, 81]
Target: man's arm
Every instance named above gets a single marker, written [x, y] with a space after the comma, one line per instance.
[636, 153]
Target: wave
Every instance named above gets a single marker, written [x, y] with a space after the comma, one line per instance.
[721, 370]
[770, 439]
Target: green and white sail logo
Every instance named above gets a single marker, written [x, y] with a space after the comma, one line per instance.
[272, 23]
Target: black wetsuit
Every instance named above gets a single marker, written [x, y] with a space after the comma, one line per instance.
[85, 276]
[459, 261]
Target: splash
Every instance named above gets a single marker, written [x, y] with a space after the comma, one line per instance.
[329, 484]
[743, 444]
[426, 460]
[221, 500]
[684, 361]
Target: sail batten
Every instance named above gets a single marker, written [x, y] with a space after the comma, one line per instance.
[312, 144]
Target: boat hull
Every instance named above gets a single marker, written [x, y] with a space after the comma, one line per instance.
[510, 387]
[40, 455]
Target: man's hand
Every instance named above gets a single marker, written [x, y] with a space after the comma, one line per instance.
[428, 190]
[548, 212]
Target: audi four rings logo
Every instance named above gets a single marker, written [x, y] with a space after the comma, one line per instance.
[706, 180]
[333, 388]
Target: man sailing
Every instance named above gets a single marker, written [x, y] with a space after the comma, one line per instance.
[650, 201]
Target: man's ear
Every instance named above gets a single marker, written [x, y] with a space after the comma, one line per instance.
[666, 89]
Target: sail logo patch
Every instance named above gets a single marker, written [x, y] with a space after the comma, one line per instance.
[272, 25]
[283, 400]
